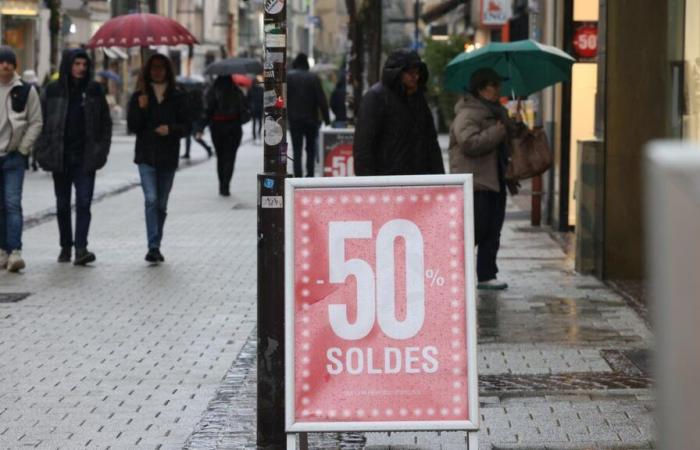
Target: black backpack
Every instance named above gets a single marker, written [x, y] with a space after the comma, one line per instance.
[20, 95]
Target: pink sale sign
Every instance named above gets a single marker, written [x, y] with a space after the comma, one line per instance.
[380, 306]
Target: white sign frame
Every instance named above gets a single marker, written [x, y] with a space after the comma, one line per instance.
[466, 181]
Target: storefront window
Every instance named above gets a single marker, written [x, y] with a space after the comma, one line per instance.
[691, 94]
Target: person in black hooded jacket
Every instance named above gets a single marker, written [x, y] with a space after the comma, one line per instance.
[74, 144]
[158, 115]
[395, 133]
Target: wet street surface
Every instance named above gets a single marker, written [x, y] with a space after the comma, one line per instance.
[563, 364]
[121, 355]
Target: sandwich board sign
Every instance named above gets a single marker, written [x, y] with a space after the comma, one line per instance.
[380, 305]
[336, 147]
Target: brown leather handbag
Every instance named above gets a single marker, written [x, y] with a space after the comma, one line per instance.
[530, 155]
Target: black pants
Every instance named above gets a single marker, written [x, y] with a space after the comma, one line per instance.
[489, 214]
[63, 183]
[188, 145]
[227, 138]
[257, 126]
[301, 130]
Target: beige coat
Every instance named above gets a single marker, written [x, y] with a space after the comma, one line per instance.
[474, 142]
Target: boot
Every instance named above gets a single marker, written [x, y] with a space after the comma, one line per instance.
[83, 257]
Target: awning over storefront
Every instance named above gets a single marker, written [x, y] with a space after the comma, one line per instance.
[19, 7]
[436, 11]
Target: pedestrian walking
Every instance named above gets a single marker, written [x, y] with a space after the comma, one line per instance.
[195, 102]
[479, 145]
[395, 133]
[255, 102]
[73, 145]
[337, 103]
[20, 125]
[226, 110]
[158, 116]
[306, 105]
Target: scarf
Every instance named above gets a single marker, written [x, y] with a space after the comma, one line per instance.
[159, 89]
[500, 113]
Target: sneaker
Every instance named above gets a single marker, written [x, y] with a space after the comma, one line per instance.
[15, 263]
[492, 285]
[83, 257]
[4, 256]
[153, 255]
[65, 255]
[224, 192]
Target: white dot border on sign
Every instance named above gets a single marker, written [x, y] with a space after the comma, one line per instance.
[457, 353]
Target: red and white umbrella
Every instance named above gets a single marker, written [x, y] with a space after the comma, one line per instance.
[141, 30]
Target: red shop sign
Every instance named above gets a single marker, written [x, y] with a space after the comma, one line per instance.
[586, 41]
[336, 148]
[380, 304]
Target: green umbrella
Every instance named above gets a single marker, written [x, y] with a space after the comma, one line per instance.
[528, 67]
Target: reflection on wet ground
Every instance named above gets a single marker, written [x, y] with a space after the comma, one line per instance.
[552, 319]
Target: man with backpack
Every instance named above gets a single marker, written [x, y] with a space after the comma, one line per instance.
[20, 125]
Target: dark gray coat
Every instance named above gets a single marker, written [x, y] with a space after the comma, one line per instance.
[49, 149]
[395, 133]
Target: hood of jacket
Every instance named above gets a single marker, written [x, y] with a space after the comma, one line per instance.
[67, 64]
[397, 62]
[469, 102]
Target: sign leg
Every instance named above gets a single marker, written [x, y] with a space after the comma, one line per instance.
[473, 440]
[297, 441]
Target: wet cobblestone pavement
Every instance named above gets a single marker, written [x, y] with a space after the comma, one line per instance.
[562, 364]
[168, 359]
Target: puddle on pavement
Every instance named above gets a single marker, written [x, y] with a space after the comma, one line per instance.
[547, 320]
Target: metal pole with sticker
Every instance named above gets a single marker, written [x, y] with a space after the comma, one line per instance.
[270, 397]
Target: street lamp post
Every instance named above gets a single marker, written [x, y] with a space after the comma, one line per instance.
[270, 397]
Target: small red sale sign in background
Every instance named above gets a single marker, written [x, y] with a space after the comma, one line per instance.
[379, 305]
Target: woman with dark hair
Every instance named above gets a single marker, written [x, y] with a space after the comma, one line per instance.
[226, 111]
[158, 116]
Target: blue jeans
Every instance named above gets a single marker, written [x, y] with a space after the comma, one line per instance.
[84, 183]
[12, 167]
[156, 183]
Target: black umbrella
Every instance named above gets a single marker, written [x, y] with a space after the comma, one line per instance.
[234, 65]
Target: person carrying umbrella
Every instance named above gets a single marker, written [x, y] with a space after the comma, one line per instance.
[73, 145]
[226, 110]
[479, 145]
[158, 116]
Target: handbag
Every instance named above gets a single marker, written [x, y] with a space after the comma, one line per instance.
[530, 154]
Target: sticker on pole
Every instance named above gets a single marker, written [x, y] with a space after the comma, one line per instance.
[380, 304]
[273, 131]
[274, 6]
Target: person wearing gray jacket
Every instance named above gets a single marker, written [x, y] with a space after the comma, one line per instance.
[479, 145]
[20, 125]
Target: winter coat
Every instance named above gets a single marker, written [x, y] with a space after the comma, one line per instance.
[395, 133]
[25, 120]
[151, 148]
[338, 102]
[306, 101]
[92, 129]
[475, 141]
[255, 100]
[225, 102]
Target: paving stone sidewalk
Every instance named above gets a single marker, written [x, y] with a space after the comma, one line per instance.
[122, 355]
[125, 356]
[562, 364]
